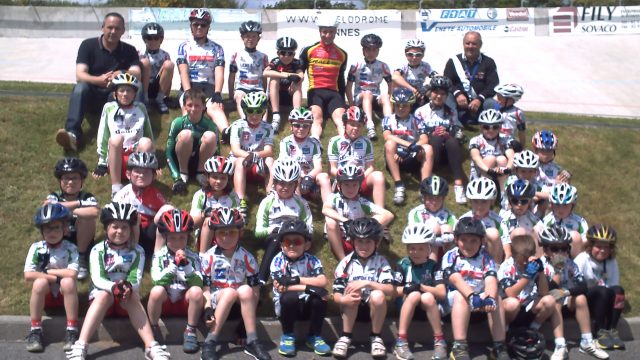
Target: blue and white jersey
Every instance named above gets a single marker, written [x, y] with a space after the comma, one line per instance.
[306, 266]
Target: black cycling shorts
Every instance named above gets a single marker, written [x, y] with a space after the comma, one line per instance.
[327, 100]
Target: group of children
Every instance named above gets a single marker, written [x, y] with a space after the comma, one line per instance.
[520, 267]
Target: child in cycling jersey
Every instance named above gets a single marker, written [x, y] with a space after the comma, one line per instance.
[519, 220]
[544, 144]
[219, 193]
[415, 73]
[482, 194]
[406, 144]
[71, 173]
[251, 145]
[247, 66]
[433, 213]
[278, 206]
[299, 291]
[307, 151]
[363, 279]
[525, 167]
[567, 284]
[157, 67]
[525, 293]
[354, 148]
[470, 273]
[146, 198]
[563, 200]
[193, 138]
[177, 278]
[231, 286]
[364, 79]
[285, 75]
[420, 290]
[116, 272]
[347, 205]
[124, 128]
[605, 296]
[514, 120]
[51, 267]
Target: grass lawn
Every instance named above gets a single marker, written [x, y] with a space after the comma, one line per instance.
[603, 161]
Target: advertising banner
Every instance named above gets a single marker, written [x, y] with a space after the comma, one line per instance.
[491, 22]
[594, 20]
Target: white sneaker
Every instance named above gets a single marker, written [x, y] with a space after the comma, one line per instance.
[371, 133]
[459, 191]
[275, 123]
[156, 352]
[593, 350]
[560, 353]
[341, 347]
[399, 195]
[78, 351]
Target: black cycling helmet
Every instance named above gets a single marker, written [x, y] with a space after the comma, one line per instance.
[294, 227]
[70, 165]
[118, 211]
[526, 344]
[602, 232]
[50, 213]
[365, 228]
[250, 26]
[286, 43]
[434, 185]
[152, 29]
[469, 225]
[440, 82]
[554, 235]
[371, 40]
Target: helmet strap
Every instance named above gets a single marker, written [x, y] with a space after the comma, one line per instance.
[250, 50]
[117, 246]
[154, 51]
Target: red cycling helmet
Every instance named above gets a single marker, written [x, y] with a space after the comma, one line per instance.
[175, 221]
[354, 113]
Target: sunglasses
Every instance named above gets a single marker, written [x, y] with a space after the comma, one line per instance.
[227, 232]
[557, 249]
[293, 242]
[153, 38]
[300, 126]
[491, 127]
[414, 54]
[286, 53]
[520, 201]
[254, 111]
[199, 25]
[284, 183]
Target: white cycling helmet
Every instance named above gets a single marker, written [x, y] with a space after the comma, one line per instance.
[301, 114]
[327, 21]
[286, 170]
[481, 188]
[219, 165]
[563, 193]
[125, 79]
[414, 43]
[526, 159]
[418, 234]
[490, 117]
[254, 100]
[513, 91]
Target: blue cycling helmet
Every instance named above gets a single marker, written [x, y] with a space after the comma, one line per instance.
[50, 213]
[545, 140]
[402, 96]
[520, 189]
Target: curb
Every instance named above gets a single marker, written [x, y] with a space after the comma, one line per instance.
[119, 330]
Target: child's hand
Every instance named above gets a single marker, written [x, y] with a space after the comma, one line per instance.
[356, 286]
[209, 317]
[351, 298]
[564, 176]
[559, 294]
[180, 258]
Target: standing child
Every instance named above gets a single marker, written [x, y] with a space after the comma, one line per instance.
[563, 203]
[177, 278]
[157, 67]
[116, 272]
[71, 173]
[414, 74]
[362, 281]
[247, 66]
[52, 267]
[124, 128]
[364, 79]
[285, 79]
[231, 286]
[421, 289]
[299, 288]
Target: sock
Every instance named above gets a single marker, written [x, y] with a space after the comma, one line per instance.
[251, 337]
[211, 337]
[184, 177]
[36, 324]
[399, 184]
[560, 342]
[115, 188]
[402, 337]
[375, 334]
[460, 343]
[586, 339]
[535, 325]
[438, 338]
[346, 334]
[72, 324]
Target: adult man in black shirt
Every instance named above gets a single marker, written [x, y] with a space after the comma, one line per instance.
[474, 75]
[99, 60]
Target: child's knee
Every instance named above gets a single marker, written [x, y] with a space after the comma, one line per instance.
[245, 292]
[209, 138]
[168, 65]
[68, 285]
[116, 141]
[185, 136]
[145, 144]
[511, 305]
[428, 299]
[40, 286]
[195, 294]
[157, 293]
[377, 178]
[376, 298]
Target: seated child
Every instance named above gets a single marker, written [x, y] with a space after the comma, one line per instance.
[415, 73]
[116, 272]
[362, 281]
[525, 289]
[251, 145]
[176, 278]
[568, 285]
[482, 194]
[544, 144]
[285, 79]
[563, 203]
[124, 128]
[247, 66]
[299, 288]
[406, 144]
[279, 206]
[473, 287]
[157, 67]
[364, 79]
[604, 295]
[71, 173]
[347, 205]
[421, 288]
[193, 138]
[231, 286]
[52, 266]
[519, 220]
[525, 167]
[146, 198]
[435, 215]
[514, 121]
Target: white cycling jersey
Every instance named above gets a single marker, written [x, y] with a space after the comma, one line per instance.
[274, 211]
[203, 200]
[132, 123]
[529, 221]
[547, 174]
[305, 152]
[176, 279]
[597, 273]
[202, 59]
[352, 268]
[156, 59]
[42, 256]
[473, 270]
[305, 266]
[494, 147]
[432, 118]
[421, 215]
[508, 275]
[416, 76]
[109, 265]
[514, 121]
[250, 139]
[249, 67]
[221, 272]
[367, 76]
[573, 222]
[408, 129]
[344, 151]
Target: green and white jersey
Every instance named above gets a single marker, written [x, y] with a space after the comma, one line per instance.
[131, 122]
[354, 209]
[175, 279]
[305, 152]
[345, 151]
[573, 222]
[42, 256]
[203, 200]
[492, 221]
[528, 221]
[420, 215]
[250, 139]
[273, 211]
[109, 266]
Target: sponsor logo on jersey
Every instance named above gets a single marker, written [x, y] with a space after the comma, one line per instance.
[358, 146]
